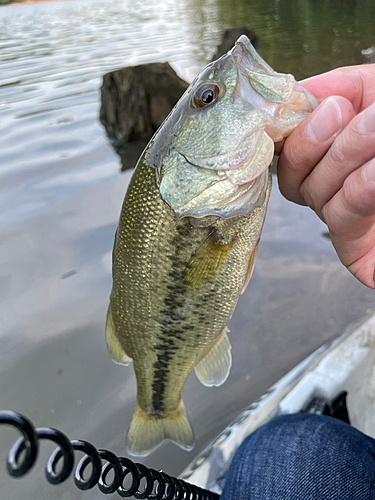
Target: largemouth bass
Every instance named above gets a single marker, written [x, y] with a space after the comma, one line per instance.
[188, 235]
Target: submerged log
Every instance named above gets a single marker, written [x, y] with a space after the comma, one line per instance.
[136, 100]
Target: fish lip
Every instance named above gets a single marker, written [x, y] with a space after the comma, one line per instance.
[245, 55]
[221, 169]
[239, 53]
[191, 163]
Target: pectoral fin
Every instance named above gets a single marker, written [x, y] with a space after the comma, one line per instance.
[115, 348]
[214, 368]
[207, 261]
[250, 268]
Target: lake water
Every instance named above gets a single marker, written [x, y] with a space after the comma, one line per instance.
[61, 190]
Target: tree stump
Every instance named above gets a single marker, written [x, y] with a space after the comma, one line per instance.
[368, 55]
[229, 39]
[136, 100]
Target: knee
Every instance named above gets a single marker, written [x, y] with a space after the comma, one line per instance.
[312, 438]
[303, 429]
[303, 453]
[299, 432]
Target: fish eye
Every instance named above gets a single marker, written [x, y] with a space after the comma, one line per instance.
[205, 95]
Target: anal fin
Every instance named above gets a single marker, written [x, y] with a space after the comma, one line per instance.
[214, 368]
[115, 348]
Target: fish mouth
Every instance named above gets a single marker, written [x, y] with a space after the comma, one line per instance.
[247, 57]
[271, 87]
[277, 95]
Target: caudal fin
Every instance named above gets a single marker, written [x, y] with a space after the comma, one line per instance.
[146, 431]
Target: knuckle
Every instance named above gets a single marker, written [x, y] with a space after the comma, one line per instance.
[348, 194]
[355, 200]
[289, 192]
[336, 157]
[353, 138]
[324, 214]
[358, 196]
[288, 195]
[289, 176]
[306, 194]
[346, 147]
[366, 84]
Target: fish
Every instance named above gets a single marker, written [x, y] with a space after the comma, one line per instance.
[188, 235]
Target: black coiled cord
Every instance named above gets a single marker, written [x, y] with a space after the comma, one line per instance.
[165, 486]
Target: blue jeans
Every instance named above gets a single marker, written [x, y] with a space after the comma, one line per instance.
[303, 457]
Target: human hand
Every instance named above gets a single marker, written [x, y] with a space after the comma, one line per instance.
[328, 163]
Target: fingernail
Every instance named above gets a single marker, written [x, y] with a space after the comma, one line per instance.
[366, 124]
[369, 172]
[326, 122]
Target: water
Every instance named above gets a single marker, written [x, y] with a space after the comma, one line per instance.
[60, 195]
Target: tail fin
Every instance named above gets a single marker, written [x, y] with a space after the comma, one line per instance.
[146, 431]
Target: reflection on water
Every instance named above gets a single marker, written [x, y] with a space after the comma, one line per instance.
[60, 197]
[303, 37]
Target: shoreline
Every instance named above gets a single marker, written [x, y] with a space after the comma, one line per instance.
[23, 2]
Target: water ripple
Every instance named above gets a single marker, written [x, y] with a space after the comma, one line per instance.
[52, 59]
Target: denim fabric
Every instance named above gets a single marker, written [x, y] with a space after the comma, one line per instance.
[303, 457]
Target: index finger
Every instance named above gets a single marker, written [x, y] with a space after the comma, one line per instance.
[355, 83]
[304, 148]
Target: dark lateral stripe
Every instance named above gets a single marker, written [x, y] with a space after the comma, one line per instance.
[171, 318]
[160, 379]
